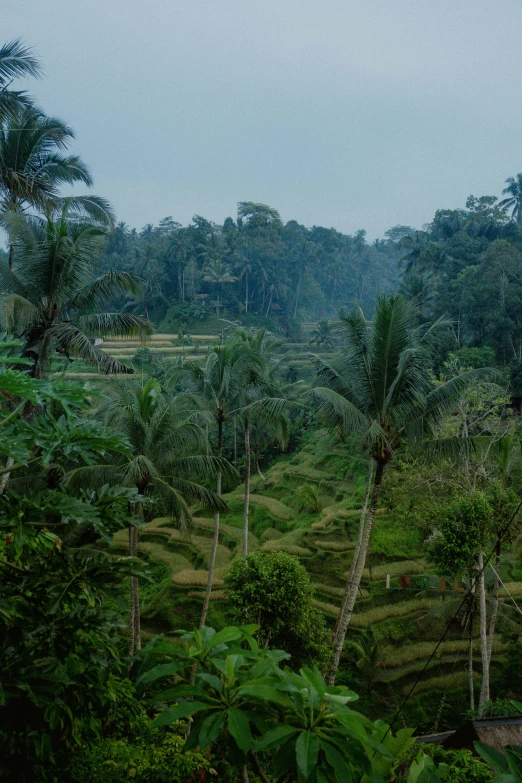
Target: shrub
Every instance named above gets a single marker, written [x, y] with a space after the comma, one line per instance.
[274, 590]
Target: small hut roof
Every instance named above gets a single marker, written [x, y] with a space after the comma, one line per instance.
[497, 732]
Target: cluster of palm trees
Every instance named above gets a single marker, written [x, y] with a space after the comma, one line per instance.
[51, 295]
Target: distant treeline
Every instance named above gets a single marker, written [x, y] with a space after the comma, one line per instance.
[252, 265]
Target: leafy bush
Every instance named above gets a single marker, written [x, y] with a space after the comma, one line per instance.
[146, 756]
[275, 590]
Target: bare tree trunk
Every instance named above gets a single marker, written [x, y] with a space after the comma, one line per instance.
[494, 611]
[297, 295]
[356, 551]
[356, 581]
[134, 619]
[263, 478]
[215, 541]
[471, 684]
[247, 489]
[484, 690]
[5, 477]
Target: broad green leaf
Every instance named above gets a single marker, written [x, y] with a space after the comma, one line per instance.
[211, 680]
[233, 662]
[493, 757]
[306, 752]
[514, 761]
[322, 776]
[211, 728]
[275, 736]
[315, 680]
[517, 705]
[183, 710]
[224, 636]
[337, 762]
[342, 699]
[239, 727]
[162, 670]
[267, 693]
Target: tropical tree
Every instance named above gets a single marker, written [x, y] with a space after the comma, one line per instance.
[513, 200]
[220, 382]
[32, 163]
[323, 334]
[382, 392]
[218, 273]
[16, 61]
[52, 297]
[168, 450]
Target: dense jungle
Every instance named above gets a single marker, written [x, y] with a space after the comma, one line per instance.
[260, 484]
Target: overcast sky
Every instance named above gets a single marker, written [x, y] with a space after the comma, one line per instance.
[345, 113]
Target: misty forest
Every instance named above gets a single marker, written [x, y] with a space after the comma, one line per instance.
[260, 485]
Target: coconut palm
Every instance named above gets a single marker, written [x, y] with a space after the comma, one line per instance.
[382, 392]
[323, 334]
[514, 197]
[32, 163]
[53, 298]
[168, 450]
[220, 383]
[16, 61]
[217, 273]
[257, 410]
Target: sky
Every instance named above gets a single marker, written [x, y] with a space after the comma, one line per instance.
[345, 113]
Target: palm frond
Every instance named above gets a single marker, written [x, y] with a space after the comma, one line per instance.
[115, 325]
[73, 341]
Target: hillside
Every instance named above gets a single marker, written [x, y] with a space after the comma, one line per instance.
[406, 621]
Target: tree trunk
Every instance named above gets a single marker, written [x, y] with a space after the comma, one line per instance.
[297, 295]
[246, 291]
[11, 257]
[471, 684]
[356, 581]
[356, 551]
[215, 541]
[134, 620]
[494, 611]
[235, 441]
[484, 690]
[247, 489]
[5, 477]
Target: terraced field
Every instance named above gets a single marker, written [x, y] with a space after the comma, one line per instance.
[406, 622]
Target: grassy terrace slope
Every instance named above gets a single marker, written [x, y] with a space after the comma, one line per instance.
[406, 622]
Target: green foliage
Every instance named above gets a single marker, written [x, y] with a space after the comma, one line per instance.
[293, 724]
[464, 527]
[309, 496]
[275, 591]
[147, 755]
[511, 677]
[507, 765]
[452, 766]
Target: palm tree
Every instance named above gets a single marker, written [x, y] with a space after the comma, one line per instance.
[168, 449]
[16, 61]
[217, 273]
[382, 392]
[32, 163]
[52, 297]
[256, 399]
[220, 383]
[33, 167]
[368, 658]
[322, 335]
[514, 197]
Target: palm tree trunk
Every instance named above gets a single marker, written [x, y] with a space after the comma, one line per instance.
[11, 257]
[246, 291]
[484, 690]
[297, 295]
[5, 477]
[356, 581]
[356, 552]
[471, 684]
[215, 540]
[494, 611]
[134, 620]
[235, 441]
[247, 488]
